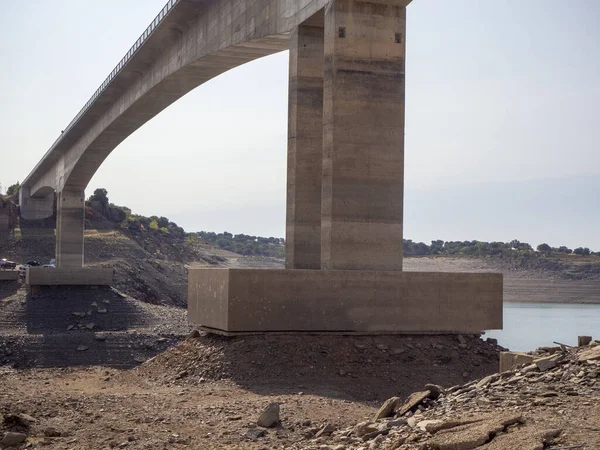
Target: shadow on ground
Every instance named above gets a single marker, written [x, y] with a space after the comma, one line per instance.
[357, 368]
[80, 327]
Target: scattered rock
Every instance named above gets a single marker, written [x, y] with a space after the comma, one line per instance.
[325, 431]
[255, 433]
[51, 432]
[82, 348]
[413, 401]
[11, 439]
[591, 354]
[270, 416]
[387, 409]
[467, 436]
[547, 363]
[435, 390]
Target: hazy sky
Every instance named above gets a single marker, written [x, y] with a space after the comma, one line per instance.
[500, 93]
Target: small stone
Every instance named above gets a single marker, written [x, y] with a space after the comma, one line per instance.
[382, 347]
[436, 390]
[547, 363]
[422, 425]
[82, 348]
[360, 346]
[530, 368]
[51, 432]
[12, 439]
[255, 433]
[100, 337]
[460, 338]
[387, 409]
[398, 351]
[270, 416]
[94, 304]
[414, 400]
[101, 310]
[194, 335]
[70, 327]
[90, 326]
[325, 431]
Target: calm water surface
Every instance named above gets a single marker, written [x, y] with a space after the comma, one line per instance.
[528, 326]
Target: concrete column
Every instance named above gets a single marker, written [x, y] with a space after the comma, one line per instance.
[363, 135]
[305, 149]
[70, 220]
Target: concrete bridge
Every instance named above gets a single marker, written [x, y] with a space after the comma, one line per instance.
[345, 147]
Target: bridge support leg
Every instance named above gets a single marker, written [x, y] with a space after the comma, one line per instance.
[363, 136]
[70, 220]
[305, 149]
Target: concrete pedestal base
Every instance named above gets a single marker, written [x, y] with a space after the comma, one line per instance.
[233, 301]
[39, 276]
[9, 275]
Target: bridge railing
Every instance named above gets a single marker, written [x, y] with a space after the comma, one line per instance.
[132, 51]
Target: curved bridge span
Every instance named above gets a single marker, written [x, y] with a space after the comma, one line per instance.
[346, 119]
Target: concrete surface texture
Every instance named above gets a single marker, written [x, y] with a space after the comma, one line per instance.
[40, 276]
[363, 136]
[236, 300]
[70, 222]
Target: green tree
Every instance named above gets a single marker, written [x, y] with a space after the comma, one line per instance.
[582, 251]
[13, 188]
[544, 248]
[100, 195]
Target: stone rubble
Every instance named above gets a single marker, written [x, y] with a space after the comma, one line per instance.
[482, 414]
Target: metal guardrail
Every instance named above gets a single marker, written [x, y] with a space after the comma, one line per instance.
[132, 51]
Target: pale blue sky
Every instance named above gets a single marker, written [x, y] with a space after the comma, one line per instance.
[499, 94]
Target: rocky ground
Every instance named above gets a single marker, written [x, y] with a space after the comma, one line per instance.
[312, 392]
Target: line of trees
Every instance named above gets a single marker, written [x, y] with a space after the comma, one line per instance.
[480, 248]
[245, 244]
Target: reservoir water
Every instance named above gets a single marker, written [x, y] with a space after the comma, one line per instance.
[528, 326]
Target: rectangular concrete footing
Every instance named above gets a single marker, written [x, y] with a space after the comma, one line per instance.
[40, 276]
[235, 301]
[9, 275]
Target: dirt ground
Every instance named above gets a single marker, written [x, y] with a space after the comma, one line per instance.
[208, 391]
[189, 397]
[521, 285]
